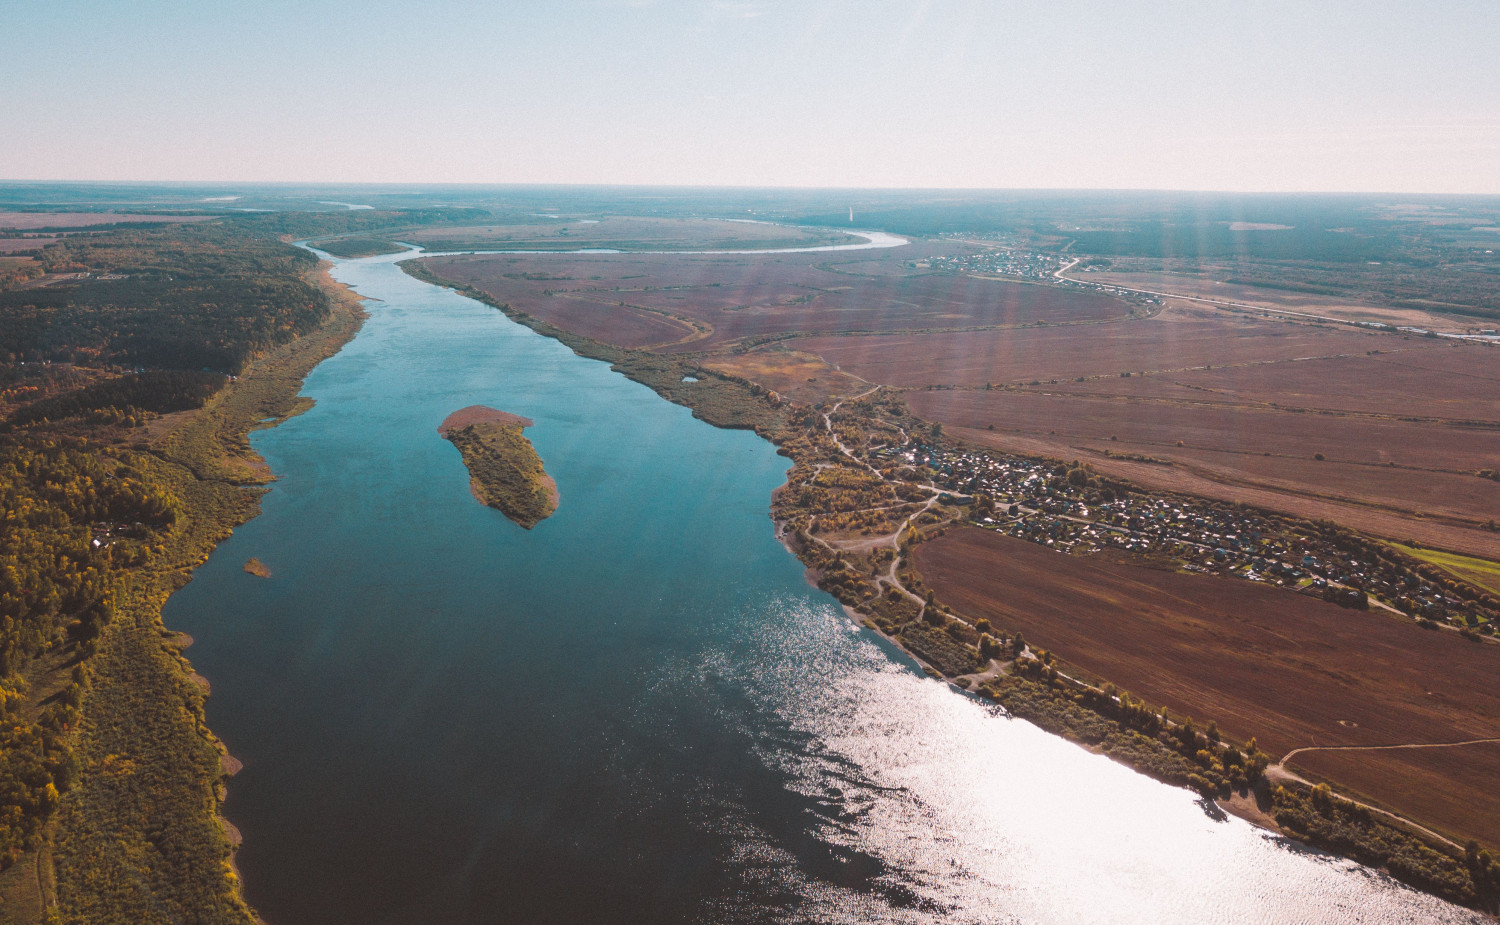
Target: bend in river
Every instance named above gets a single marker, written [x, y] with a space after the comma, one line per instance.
[638, 711]
[873, 240]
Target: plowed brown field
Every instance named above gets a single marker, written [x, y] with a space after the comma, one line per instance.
[13, 245]
[1177, 339]
[1399, 384]
[750, 296]
[25, 221]
[1259, 661]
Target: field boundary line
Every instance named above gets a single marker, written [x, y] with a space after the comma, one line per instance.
[1372, 748]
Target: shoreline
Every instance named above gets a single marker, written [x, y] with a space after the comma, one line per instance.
[327, 341]
[1241, 804]
[142, 669]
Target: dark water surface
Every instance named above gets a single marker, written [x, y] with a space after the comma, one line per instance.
[638, 711]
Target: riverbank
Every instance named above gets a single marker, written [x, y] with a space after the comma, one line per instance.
[147, 761]
[1031, 686]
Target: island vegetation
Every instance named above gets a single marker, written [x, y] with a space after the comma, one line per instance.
[505, 471]
[359, 247]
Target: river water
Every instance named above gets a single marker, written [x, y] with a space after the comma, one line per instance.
[638, 711]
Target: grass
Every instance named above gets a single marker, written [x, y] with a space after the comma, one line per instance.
[505, 471]
[1480, 572]
[359, 247]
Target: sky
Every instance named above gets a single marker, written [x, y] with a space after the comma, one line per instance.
[1375, 96]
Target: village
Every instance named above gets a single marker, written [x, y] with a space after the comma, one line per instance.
[1070, 509]
[1021, 263]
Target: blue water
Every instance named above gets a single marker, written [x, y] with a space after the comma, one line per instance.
[638, 711]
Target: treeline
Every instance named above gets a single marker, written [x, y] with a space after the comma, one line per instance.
[125, 399]
[303, 225]
[35, 768]
[202, 251]
[1322, 818]
[68, 515]
[15, 271]
[57, 497]
[174, 302]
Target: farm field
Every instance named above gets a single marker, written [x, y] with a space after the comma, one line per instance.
[1331, 306]
[794, 375]
[1391, 384]
[27, 221]
[1291, 670]
[622, 325]
[1178, 338]
[735, 298]
[12, 245]
[1253, 431]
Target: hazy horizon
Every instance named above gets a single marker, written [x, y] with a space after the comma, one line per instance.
[1263, 97]
[426, 185]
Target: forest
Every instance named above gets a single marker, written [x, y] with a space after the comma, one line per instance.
[124, 400]
[69, 515]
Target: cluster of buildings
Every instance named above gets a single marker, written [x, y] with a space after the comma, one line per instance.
[1021, 264]
[1069, 509]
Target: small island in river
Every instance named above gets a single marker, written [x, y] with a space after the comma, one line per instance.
[505, 471]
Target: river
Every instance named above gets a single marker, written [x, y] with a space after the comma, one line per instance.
[872, 240]
[638, 711]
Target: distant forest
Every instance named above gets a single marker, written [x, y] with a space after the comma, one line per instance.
[191, 297]
[1429, 252]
